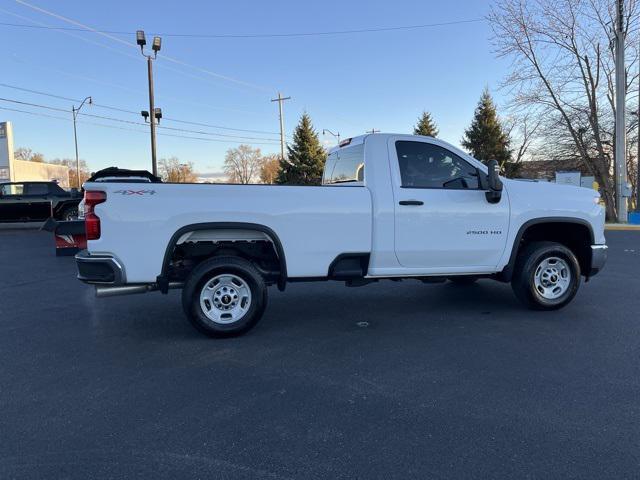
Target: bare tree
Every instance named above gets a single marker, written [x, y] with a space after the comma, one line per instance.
[270, 168]
[242, 164]
[71, 165]
[522, 130]
[28, 155]
[563, 68]
[172, 170]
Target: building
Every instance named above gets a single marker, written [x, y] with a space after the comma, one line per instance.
[546, 169]
[12, 170]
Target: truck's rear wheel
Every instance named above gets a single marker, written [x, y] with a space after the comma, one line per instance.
[546, 276]
[224, 296]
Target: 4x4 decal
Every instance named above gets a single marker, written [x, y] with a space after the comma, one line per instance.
[136, 192]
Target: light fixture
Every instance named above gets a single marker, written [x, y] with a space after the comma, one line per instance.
[140, 38]
[157, 42]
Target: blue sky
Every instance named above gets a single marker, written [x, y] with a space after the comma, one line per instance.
[347, 83]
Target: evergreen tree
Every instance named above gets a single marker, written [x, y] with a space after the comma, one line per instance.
[485, 139]
[426, 126]
[306, 157]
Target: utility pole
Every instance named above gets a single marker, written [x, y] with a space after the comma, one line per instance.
[74, 112]
[153, 113]
[638, 156]
[620, 148]
[373, 130]
[280, 100]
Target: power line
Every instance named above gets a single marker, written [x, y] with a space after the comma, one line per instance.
[44, 115]
[262, 35]
[267, 141]
[123, 110]
[108, 47]
[87, 78]
[38, 93]
[37, 114]
[119, 109]
[130, 44]
[19, 102]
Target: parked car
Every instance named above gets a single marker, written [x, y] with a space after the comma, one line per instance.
[390, 207]
[36, 202]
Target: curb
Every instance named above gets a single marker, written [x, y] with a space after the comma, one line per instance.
[622, 227]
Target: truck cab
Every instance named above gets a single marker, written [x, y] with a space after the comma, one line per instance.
[435, 213]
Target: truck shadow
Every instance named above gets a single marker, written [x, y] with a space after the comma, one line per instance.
[390, 304]
[324, 309]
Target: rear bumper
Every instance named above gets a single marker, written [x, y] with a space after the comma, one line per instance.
[598, 259]
[99, 269]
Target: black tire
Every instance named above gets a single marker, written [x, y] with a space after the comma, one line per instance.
[527, 263]
[463, 280]
[206, 272]
[69, 213]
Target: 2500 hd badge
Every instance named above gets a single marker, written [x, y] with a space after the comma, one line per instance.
[484, 232]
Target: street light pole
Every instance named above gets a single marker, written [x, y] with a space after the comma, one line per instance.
[152, 120]
[155, 46]
[74, 112]
[336, 135]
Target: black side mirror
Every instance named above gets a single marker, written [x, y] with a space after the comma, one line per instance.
[494, 184]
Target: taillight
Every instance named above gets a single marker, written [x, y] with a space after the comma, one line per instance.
[91, 220]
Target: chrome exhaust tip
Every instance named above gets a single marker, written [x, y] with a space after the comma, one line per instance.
[103, 291]
[108, 291]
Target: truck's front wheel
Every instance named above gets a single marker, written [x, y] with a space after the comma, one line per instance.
[224, 296]
[546, 276]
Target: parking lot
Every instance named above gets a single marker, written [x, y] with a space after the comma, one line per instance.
[391, 380]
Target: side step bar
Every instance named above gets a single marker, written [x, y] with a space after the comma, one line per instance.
[103, 291]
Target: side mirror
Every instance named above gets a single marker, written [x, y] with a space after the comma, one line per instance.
[494, 184]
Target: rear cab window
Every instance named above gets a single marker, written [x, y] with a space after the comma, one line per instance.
[8, 189]
[345, 166]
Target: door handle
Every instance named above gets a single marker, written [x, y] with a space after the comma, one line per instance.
[411, 202]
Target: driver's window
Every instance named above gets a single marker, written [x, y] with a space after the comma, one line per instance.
[425, 165]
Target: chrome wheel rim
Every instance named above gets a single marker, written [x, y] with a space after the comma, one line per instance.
[225, 299]
[552, 278]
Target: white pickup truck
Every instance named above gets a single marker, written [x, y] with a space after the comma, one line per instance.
[389, 207]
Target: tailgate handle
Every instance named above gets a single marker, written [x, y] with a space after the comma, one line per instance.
[411, 202]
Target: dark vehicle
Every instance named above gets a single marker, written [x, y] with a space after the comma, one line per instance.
[36, 202]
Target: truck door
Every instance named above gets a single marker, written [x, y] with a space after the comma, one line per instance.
[11, 203]
[37, 202]
[443, 222]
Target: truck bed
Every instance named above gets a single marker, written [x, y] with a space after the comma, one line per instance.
[313, 224]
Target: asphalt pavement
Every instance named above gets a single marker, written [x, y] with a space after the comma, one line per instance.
[391, 380]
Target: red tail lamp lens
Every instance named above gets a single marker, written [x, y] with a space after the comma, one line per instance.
[91, 220]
